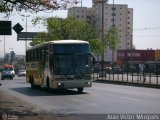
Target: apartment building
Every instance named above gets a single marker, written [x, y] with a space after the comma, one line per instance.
[118, 14]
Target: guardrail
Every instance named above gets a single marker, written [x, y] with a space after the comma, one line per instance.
[130, 73]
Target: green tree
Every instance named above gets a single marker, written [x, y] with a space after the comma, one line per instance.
[8, 6]
[96, 46]
[69, 28]
[112, 40]
[40, 38]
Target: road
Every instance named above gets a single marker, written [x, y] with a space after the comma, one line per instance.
[102, 98]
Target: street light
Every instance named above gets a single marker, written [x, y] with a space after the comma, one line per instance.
[11, 59]
[26, 16]
[4, 45]
[0, 40]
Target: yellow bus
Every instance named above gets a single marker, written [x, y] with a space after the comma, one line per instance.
[61, 64]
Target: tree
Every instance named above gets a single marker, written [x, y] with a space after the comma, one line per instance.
[69, 28]
[96, 46]
[8, 6]
[40, 38]
[112, 40]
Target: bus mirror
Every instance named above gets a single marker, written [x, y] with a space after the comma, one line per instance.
[93, 61]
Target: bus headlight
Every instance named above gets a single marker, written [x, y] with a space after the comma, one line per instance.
[60, 84]
[88, 83]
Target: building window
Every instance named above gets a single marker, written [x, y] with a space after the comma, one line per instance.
[113, 14]
[113, 20]
[120, 54]
[113, 8]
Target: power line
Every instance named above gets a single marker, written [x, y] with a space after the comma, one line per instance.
[146, 28]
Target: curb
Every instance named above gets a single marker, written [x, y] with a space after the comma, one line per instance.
[128, 83]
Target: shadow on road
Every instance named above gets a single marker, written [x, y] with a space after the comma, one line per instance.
[43, 92]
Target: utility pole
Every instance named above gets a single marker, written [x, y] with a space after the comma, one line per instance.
[113, 25]
[4, 45]
[102, 36]
[113, 14]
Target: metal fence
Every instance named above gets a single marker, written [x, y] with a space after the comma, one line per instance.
[129, 73]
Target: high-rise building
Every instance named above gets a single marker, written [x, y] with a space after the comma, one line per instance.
[113, 14]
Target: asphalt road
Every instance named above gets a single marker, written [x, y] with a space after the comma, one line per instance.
[102, 98]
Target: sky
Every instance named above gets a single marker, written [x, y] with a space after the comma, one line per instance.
[146, 25]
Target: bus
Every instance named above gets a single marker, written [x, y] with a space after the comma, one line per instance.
[61, 64]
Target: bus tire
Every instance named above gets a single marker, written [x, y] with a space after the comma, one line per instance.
[80, 90]
[48, 85]
[32, 82]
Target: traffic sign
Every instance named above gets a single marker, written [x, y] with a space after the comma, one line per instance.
[17, 28]
[5, 28]
[26, 36]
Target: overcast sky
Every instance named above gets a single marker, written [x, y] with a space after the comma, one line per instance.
[146, 24]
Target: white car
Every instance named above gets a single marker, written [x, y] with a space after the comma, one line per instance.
[12, 71]
[21, 73]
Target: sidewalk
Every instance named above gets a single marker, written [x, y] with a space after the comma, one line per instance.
[124, 79]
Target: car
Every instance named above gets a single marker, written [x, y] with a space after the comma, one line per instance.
[9, 67]
[21, 73]
[108, 69]
[6, 74]
[117, 70]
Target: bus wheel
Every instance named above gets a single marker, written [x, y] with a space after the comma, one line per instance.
[48, 85]
[32, 82]
[80, 90]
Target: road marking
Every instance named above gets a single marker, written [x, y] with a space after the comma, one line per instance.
[131, 99]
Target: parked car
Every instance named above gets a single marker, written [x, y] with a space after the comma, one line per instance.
[108, 69]
[117, 70]
[6, 74]
[21, 73]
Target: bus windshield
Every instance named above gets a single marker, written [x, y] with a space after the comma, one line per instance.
[72, 64]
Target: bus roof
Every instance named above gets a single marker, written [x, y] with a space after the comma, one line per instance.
[60, 42]
[68, 41]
